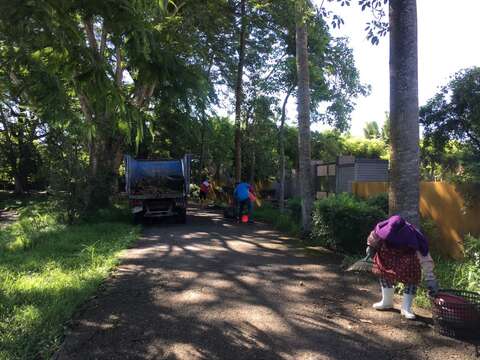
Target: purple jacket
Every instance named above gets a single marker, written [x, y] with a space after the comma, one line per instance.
[398, 233]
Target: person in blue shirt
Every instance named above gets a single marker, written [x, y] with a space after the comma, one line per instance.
[242, 198]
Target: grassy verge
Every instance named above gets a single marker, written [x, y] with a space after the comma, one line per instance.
[452, 274]
[283, 222]
[47, 269]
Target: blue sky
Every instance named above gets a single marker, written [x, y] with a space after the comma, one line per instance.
[447, 42]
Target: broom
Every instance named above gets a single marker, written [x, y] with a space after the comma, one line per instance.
[363, 265]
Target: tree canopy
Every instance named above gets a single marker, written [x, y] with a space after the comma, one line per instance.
[84, 82]
[451, 121]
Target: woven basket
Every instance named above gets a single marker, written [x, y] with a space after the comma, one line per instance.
[456, 314]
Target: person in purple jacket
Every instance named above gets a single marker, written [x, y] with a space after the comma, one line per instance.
[400, 252]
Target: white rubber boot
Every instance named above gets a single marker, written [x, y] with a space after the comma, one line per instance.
[407, 306]
[387, 300]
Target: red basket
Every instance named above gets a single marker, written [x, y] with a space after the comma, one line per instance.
[456, 313]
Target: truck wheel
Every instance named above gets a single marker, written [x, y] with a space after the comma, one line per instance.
[182, 217]
[137, 218]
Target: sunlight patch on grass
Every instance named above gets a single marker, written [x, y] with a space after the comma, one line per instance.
[47, 269]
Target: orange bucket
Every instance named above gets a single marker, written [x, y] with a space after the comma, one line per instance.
[244, 218]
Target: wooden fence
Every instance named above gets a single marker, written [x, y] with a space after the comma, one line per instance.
[443, 203]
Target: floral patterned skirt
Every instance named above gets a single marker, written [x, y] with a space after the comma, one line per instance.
[397, 265]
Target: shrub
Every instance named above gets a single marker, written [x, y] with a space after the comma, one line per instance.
[194, 191]
[282, 222]
[343, 222]
[379, 201]
[294, 205]
[471, 268]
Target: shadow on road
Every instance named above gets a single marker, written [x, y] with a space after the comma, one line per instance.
[213, 289]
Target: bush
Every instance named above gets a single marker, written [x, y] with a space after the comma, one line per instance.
[379, 201]
[194, 191]
[469, 273]
[282, 222]
[343, 222]
[294, 205]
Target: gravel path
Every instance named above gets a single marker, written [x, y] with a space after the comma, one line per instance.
[212, 289]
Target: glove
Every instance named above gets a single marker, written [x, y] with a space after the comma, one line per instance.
[370, 252]
[432, 286]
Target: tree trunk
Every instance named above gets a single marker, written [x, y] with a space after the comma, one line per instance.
[404, 124]
[252, 165]
[19, 185]
[281, 145]
[116, 168]
[303, 108]
[102, 174]
[202, 144]
[239, 92]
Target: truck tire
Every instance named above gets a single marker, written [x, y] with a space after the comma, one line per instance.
[182, 217]
[137, 218]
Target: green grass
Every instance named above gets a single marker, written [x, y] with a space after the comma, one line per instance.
[460, 275]
[47, 269]
[283, 222]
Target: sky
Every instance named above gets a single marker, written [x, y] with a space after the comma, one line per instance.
[447, 42]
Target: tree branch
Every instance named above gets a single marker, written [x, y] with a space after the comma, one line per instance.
[85, 106]
[103, 41]
[119, 69]
[472, 137]
[274, 68]
[7, 135]
[289, 92]
[90, 32]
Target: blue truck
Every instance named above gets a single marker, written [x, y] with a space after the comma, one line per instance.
[158, 188]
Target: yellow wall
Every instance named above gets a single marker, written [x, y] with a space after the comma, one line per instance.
[445, 205]
[368, 189]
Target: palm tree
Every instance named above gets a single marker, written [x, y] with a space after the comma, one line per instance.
[404, 122]
[303, 108]
[239, 91]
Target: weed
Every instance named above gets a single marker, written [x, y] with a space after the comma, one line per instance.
[453, 274]
[283, 222]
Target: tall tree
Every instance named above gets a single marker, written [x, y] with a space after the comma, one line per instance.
[19, 129]
[334, 80]
[404, 123]
[96, 47]
[451, 121]
[303, 109]
[239, 90]
[281, 142]
[385, 134]
[404, 120]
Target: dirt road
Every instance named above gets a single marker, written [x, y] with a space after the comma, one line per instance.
[217, 290]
